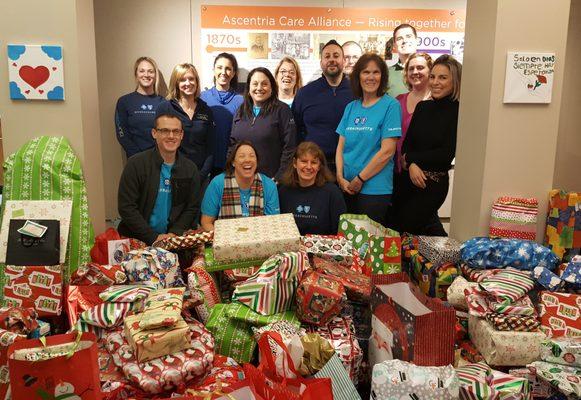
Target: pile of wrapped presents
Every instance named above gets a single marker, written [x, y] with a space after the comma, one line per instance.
[255, 311]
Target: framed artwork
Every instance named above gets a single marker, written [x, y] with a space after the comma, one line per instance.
[529, 77]
[35, 72]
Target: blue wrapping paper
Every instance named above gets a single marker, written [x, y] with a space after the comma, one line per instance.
[547, 279]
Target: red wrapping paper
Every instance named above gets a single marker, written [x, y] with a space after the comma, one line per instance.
[81, 298]
[560, 314]
[97, 274]
[37, 287]
[357, 286]
[319, 298]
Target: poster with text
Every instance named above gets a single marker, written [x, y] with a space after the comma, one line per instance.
[529, 77]
[259, 36]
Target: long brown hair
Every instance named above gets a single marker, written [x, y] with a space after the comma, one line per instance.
[156, 88]
[245, 109]
[324, 175]
[360, 65]
[174, 81]
[229, 167]
[455, 69]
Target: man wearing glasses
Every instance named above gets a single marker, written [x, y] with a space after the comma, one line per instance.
[159, 190]
[405, 39]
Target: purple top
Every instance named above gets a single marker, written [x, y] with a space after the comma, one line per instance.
[406, 118]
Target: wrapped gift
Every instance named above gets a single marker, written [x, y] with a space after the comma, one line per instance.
[566, 379]
[563, 235]
[481, 304]
[37, 287]
[476, 275]
[19, 320]
[97, 274]
[255, 237]
[106, 315]
[439, 250]
[336, 248]
[566, 351]
[153, 343]
[539, 388]
[126, 293]
[549, 280]
[166, 372]
[509, 284]
[571, 274]
[319, 298]
[162, 308]
[361, 315]
[212, 265]
[357, 286]
[188, 240]
[340, 332]
[485, 253]
[395, 379]
[514, 217]
[6, 339]
[271, 290]
[81, 298]
[153, 266]
[504, 348]
[560, 314]
[455, 293]
[469, 352]
[479, 381]
[200, 279]
[432, 281]
[517, 323]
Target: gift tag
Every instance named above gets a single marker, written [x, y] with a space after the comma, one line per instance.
[33, 229]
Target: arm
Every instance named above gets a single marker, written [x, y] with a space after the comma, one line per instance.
[189, 217]
[208, 223]
[122, 130]
[288, 139]
[342, 182]
[297, 111]
[211, 203]
[127, 199]
[210, 139]
[271, 203]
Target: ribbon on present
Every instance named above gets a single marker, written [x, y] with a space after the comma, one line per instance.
[509, 284]
[188, 240]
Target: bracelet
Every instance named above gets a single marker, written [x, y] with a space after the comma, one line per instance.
[360, 178]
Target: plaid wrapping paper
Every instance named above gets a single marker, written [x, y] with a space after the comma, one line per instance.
[560, 314]
[357, 285]
[395, 379]
[252, 238]
[518, 323]
[455, 293]
[485, 253]
[162, 308]
[319, 298]
[126, 293]
[509, 284]
[38, 287]
[330, 247]
[514, 217]
[566, 379]
[153, 266]
[188, 240]
[96, 274]
[566, 351]
[439, 249]
[432, 281]
[563, 232]
[272, 289]
[476, 275]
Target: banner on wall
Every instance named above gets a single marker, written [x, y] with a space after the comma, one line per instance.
[262, 35]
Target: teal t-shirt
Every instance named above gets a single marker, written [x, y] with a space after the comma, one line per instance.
[364, 128]
[160, 214]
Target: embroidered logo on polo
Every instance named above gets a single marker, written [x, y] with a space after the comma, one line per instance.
[147, 107]
[303, 209]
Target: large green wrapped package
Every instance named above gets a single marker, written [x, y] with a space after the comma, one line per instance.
[46, 168]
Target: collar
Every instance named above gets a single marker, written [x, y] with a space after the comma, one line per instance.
[159, 159]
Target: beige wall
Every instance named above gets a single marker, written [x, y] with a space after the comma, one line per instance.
[67, 23]
[128, 29]
[505, 149]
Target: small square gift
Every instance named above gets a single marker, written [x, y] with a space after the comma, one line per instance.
[247, 238]
[153, 266]
[319, 298]
[335, 248]
[560, 314]
[357, 286]
[37, 287]
[163, 308]
[439, 249]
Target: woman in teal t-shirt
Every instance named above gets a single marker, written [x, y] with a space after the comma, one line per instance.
[368, 131]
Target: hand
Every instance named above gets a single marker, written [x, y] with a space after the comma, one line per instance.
[417, 176]
[344, 185]
[355, 185]
[404, 163]
[162, 236]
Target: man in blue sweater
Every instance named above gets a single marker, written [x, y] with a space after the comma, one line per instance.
[318, 106]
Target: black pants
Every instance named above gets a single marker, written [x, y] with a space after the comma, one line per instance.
[416, 210]
[375, 206]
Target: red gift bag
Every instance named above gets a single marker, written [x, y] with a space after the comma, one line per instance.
[59, 367]
[408, 325]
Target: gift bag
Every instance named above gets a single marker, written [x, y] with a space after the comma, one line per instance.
[23, 249]
[62, 367]
[563, 233]
[408, 325]
[379, 246]
[514, 217]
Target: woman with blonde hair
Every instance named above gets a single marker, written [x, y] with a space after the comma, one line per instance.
[307, 190]
[197, 119]
[135, 111]
[289, 79]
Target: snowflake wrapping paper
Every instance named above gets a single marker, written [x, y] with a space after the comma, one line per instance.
[35, 72]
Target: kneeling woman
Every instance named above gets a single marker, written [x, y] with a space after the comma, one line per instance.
[240, 191]
[307, 190]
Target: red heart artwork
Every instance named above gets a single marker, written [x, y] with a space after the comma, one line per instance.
[40, 91]
[27, 91]
[34, 76]
[54, 68]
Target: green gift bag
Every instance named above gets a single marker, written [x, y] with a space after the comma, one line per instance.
[378, 246]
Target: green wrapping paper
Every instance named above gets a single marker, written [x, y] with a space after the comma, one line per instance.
[565, 351]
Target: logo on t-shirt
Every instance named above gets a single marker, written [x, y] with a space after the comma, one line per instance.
[303, 209]
[147, 109]
[360, 120]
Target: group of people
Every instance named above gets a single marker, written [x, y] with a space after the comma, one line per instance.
[362, 138]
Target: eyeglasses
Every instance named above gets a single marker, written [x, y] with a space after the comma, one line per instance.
[166, 132]
[291, 72]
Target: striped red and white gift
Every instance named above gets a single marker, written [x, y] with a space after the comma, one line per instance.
[514, 217]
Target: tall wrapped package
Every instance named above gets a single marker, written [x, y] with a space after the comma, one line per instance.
[514, 217]
[563, 232]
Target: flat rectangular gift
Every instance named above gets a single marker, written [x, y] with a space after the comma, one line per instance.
[517, 323]
[357, 286]
[560, 314]
[566, 351]
[162, 308]
[514, 217]
[509, 284]
[476, 275]
[37, 287]
[501, 348]
[255, 237]
[152, 343]
[439, 249]
[329, 247]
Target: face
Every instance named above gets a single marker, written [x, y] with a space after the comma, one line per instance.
[287, 76]
[187, 84]
[307, 167]
[245, 162]
[405, 41]
[441, 83]
[145, 75]
[418, 71]
[351, 55]
[332, 61]
[260, 88]
[168, 134]
[370, 78]
[223, 72]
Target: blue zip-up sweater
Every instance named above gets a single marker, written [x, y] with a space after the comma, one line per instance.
[318, 108]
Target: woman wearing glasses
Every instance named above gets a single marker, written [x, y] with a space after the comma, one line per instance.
[196, 116]
[289, 79]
